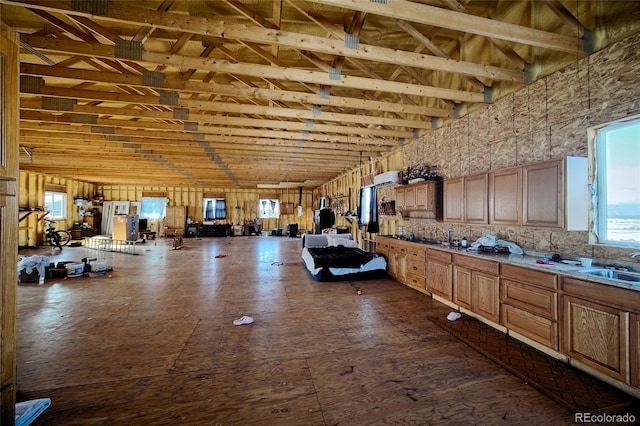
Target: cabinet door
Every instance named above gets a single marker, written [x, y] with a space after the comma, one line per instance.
[462, 286]
[401, 200]
[505, 196]
[439, 274]
[543, 194]
[596, 335]
[410, 197]
[635, 350]
[485, 295]
[453, 200]
[476, 197]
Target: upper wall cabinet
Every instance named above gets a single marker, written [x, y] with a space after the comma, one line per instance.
[420, 200]
[505, 196]
[454, 200]
[465, 199]
[553, 194]
[556, 194]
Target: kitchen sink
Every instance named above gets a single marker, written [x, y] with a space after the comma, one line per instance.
[625, 276]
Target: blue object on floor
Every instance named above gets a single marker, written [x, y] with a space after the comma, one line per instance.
[28, 411]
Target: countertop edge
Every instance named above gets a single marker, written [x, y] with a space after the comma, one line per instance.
[525, 261]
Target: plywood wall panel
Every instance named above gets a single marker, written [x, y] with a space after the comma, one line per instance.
[537, 98]
[503, 153]
[569, 137]
[501, 118]
[522, 116]
[566, 94]
[613, 74]
[479, 143]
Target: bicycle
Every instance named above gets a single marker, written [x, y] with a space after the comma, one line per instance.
[56, 238]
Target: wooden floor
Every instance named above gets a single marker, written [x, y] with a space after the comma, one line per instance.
[154, 344]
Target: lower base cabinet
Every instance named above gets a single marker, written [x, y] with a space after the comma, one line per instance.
[416, 267]
[477, 285]
[635, 350]
[596, 335]
[439, 276]
[601, 329]
[529, 304]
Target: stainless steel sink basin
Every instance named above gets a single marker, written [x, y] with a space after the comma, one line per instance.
[628, 277]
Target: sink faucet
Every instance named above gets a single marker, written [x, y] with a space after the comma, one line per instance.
[634, 254]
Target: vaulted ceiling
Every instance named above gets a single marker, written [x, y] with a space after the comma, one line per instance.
[227, 93]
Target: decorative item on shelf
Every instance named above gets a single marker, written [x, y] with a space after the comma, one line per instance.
[420, 173]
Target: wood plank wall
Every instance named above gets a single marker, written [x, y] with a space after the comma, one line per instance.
[31, 195]
[246, 199]
[545, 120]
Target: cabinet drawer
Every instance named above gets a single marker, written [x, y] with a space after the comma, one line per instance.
[416, 281]
[415, 266]
[530, 276]
[418, 253]
[533, 326]
[439, 256]
[475, 264]
[398, 248]
[530, 298]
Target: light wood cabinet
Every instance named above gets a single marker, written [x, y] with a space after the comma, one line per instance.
[543, 194]
[556, 194]
[466, 199]
[439, 274]
[505, 196]
[397, 261]
[423, 199]
[596, 327]
[635, 350]
[478, 284]
[175, 220]
[462, 286]
[416, 267]
[382, 247]
[597, 335]
[454, 200]
[529, 304]
[476, 196]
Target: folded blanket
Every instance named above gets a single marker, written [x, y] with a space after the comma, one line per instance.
[339, 257]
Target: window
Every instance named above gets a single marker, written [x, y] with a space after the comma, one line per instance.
[153, 208]
[269, 208]
[56, 204]
[617, 184]
[365, 205]
[214, 208]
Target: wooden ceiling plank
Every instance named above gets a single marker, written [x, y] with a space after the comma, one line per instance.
[230, 90]
[566, 16]
[457, 21]
[36, 105]
[203, 26]
[172, 130]
[235, 108]
[262, 71]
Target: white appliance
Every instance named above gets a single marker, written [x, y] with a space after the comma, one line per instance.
[387, 178]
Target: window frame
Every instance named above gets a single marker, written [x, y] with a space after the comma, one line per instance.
[273, 210]
[600, 211]
[365, 213]
[215, 201]
[52, 213]
[154, 200]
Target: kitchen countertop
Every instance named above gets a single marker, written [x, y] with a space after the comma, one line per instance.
[525, 260]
